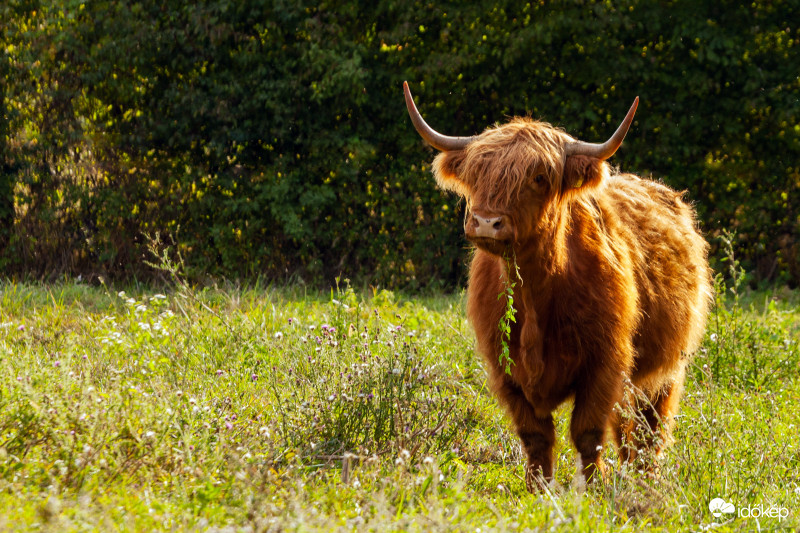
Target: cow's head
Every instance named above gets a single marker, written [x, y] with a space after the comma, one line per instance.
[512, 173]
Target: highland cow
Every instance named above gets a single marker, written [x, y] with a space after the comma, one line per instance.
[611, 286]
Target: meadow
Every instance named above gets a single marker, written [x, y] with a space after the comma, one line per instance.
[268, 409]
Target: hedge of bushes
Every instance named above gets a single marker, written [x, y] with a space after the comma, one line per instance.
[270, 138]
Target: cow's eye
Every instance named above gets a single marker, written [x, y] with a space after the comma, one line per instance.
[539, 179]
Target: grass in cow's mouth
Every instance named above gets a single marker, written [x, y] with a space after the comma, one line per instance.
[263, 410]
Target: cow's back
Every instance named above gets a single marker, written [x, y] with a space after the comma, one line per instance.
[671, 269]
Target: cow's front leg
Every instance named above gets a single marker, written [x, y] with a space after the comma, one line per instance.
[595, 398]
[538, 439]
[537, 434]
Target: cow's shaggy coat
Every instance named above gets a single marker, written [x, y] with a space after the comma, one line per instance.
[612, 300]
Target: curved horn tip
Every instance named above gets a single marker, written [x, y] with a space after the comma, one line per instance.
[441, 142]
[634, 107]
[412, 107]
[409, 98]
[406, 89]
[632, 110]
[607, 149]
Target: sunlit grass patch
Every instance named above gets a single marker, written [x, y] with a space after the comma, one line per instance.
[266, 410]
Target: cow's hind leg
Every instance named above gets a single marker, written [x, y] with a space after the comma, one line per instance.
[645, 425]
[594, 404]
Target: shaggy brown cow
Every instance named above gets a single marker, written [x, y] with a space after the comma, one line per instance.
[613, 293]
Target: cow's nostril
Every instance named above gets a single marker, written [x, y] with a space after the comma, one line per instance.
[497, 224]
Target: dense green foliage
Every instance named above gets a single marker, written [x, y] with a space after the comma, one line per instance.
[263, 410]
[270, 138]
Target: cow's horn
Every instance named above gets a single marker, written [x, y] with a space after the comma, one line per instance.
[431, 136]
[607, 149]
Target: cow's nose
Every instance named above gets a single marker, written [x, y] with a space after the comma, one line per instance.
[487, 226]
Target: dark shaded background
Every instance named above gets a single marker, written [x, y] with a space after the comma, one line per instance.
[270, 139]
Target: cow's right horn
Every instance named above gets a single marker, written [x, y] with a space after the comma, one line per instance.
[605, 150]
[431, 136]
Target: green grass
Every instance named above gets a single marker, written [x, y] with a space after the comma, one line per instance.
[267, 410]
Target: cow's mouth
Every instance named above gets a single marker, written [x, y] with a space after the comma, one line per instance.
[493, 246]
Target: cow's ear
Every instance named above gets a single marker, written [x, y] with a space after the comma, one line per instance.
[581, 171]
[447, 169]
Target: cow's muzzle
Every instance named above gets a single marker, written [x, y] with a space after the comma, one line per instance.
[491, 227]
[489, 231]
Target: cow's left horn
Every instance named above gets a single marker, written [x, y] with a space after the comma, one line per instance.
[431, 136]
[607, 149]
